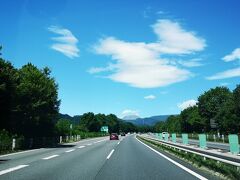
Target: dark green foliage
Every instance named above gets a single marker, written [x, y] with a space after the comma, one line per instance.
[210, 104]
[8, 83]
[28, 100]
[219, 104]
[63, 127]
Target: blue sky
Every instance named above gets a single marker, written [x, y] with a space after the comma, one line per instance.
[126, 57]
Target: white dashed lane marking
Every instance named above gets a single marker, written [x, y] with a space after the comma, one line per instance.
[50, 157]
[110, 154]
[71, 150]
[12, 169]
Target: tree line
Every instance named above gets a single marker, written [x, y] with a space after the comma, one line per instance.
[29, 102]
[29, 105]
[217, 110]
[90, 122]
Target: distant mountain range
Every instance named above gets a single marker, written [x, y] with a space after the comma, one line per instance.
[150, 121]
[74, 119]
[136, 120]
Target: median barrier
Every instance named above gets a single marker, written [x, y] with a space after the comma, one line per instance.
[233, 142]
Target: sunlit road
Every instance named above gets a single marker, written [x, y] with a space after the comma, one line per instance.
[97, 158]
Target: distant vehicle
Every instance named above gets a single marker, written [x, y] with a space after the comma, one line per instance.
[122, 134]
[164, 133]
[114, 136]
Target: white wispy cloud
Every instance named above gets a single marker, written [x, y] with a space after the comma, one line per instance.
[224, 84]
[187, 104]
[66, 43]
[129, 112]
[173, 39]
[139, 64]
[230, 73]
[226, 74]
[163, 92]
[191, 63]
[150, 97]
[235, 55]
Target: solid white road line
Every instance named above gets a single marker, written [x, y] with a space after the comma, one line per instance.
[19, 152]
[109, 155]
[12, 169]
[50, 157]
[174, 162]
[81, 147]
[71, 150]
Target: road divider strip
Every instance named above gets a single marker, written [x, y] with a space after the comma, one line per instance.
[110, 154]
[174, 162]
[12, 169]
[71, 150]
[50, 157]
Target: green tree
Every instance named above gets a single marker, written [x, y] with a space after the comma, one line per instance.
[174, 124]
[63, 127]
[191, 120]
[229, 115]
[38, 102]
[8, 83]
[89, 122]
[210, 103]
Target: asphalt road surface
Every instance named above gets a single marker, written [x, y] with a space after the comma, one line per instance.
[100, 159]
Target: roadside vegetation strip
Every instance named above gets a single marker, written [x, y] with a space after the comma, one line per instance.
[176, 163]
[216, 167]
[12, 169]
[194, 151]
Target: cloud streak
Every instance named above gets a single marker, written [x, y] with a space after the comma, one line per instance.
[233, 56]
[226, 74]
[140, 64]
[150, 97]
[187, 104]
[66, 42]
[230, 73]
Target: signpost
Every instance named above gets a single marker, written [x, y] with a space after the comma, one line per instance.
[104, 129]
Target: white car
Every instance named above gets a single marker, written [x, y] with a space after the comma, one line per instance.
[164, 133]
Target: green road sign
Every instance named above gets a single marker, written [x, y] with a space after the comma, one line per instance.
[202, 141]
[185, 139]
[233, 142]
[104, 129]
[174, 137]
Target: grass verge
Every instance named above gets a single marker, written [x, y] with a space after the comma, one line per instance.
[226, 170]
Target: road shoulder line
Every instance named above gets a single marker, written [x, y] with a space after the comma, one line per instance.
[174, 162]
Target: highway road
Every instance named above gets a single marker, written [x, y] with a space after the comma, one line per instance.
[98, 158]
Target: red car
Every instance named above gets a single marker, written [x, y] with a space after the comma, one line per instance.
[114, 136]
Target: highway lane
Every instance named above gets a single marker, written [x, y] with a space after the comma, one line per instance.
[125, 159]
